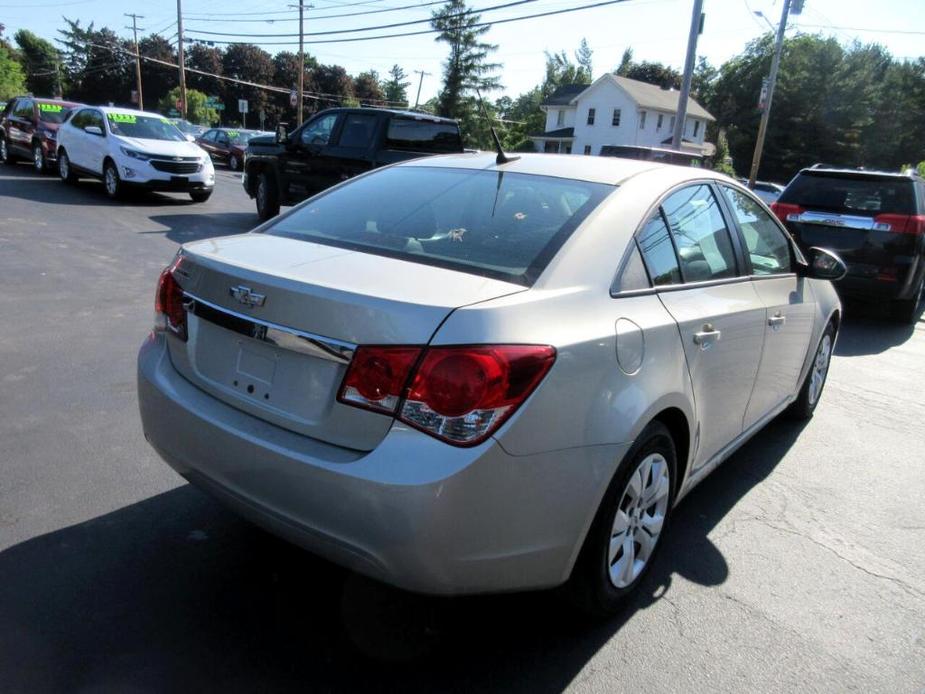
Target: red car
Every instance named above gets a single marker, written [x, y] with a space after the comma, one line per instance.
[227, 144]
[29, 130]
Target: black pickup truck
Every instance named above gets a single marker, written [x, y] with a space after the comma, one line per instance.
[337, 144]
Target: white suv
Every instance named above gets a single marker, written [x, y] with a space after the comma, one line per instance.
[132, 149]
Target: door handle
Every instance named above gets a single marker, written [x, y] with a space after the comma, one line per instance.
[707, 336]
[777, 320]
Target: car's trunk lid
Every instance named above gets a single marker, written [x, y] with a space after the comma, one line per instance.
[273, 321]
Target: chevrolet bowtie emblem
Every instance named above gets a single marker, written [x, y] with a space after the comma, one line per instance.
[244, 295]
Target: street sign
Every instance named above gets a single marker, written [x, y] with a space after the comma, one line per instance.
[763, 97]
[242, 105]
[134, 96]
[293, 98]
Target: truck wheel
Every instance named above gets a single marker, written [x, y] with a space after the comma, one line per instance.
[267, 197]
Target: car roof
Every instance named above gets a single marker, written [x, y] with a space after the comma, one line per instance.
[610, 170]
[417, 115]
[127, 111]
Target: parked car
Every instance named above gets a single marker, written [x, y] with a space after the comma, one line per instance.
[335, 145]
[768, 192]
[29, 130]
[460, 376]
[187, 128]
[875, 221]
[130, 149]
[228, 145]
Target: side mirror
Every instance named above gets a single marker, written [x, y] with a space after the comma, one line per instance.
[282, 137]
[190, 138]
[94, 130]
[825, 265]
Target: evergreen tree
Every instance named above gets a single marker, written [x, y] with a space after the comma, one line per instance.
[583, 58]
[40, 62]
[367, 90]
[396, 87]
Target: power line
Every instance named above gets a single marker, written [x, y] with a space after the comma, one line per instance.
[433, 31]
[323, 16]
[244, 14]
[875, 31]
[370, 28]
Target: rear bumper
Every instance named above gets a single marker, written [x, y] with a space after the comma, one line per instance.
[414, 512]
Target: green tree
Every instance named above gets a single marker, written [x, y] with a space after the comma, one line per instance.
[367, 90]
[99, 67]
[12, 80]
[196, 109]
[157, 79]
[40, 61]
[583, 57]
[396, 86]
[286, 66]
[722, 160]
[334, 85]
[467, 68]
[245, 61]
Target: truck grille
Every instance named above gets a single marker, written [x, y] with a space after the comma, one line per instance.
[177, 167]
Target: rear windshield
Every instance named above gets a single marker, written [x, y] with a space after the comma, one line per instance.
[851, 194]
[502, 225]
[53, 113]
[423, 136]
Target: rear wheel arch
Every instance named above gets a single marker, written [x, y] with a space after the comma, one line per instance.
[679, 427]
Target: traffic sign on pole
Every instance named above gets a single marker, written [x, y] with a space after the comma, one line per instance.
[242, 105]
[293, 98]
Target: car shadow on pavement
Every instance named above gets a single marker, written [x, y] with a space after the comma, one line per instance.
[183, 228]
[869, 328]
[175, 593]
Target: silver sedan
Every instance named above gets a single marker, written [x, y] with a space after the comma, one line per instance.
[457, 375]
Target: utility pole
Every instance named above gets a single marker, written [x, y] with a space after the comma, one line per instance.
[135, 18]
[696, 28]
[417, 99]
[181, 60]
[772, 79]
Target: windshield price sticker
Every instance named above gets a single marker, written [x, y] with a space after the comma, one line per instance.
[122, 118]
[53, 108]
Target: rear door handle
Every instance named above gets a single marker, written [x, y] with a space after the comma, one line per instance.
[777, 320]
[707, 336]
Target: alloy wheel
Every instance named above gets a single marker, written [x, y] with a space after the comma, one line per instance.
[639, 519]
[63, 166]
[38, 158]
[112, 183]
[3, 152]
[820, 368]
[233, 163]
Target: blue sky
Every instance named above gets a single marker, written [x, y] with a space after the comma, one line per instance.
[654, 29]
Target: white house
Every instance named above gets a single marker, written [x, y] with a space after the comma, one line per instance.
[582, 118]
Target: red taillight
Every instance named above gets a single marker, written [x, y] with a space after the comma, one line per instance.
[900, 223]
[169, 313]
[784, 211]
[377, 377]
[460, 395]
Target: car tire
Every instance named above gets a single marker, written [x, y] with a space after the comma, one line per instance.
[38, 158]
[267, 197]
[6, 156]
[607, 572]
[65, 171]
[907, 310]
[200, 196]
[233, 163]
[112, 184]
[811, 391]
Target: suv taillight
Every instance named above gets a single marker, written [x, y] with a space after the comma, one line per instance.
[785, 211]
[460, 395]
[900, 223]
[169, 313]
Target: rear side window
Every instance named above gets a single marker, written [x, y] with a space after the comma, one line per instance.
[851, 194]
[658, 252]
[491, 223]
[700, 234]
[765, 243]
[358, 131]
[423, 136]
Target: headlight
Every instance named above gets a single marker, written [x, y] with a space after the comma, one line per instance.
[135, 154]
[50, 134]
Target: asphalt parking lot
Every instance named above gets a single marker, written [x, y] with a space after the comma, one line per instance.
[798, 565]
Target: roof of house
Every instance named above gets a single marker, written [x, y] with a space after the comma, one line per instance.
[559, 132]
[645, 94]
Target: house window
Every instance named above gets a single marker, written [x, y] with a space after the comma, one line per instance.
[560, 118]
[642, 120]
[658, 123]
[672, 124]
[587, 149]
[590, 116]
[696, 127]
[615, 121]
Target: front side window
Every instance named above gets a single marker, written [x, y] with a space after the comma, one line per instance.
[658, 252]
[81, 119]
[615, 121]
[24, 109]
[591, 113]
[142, 127]
[765, 243]
[700, 234]
[490, 223]
[318, 132]
[95, 118]
[221, 138]
[209, 135]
